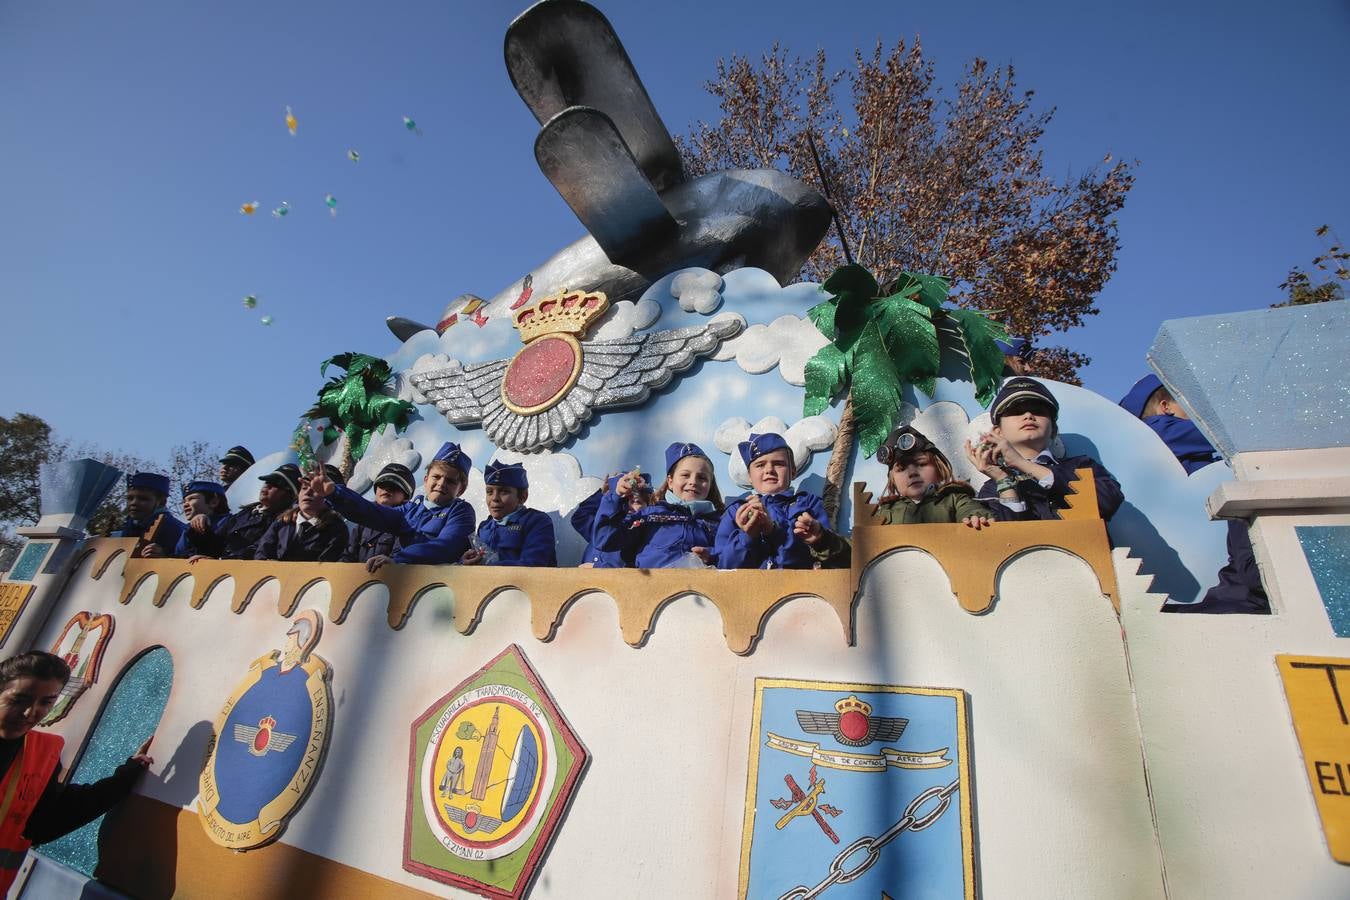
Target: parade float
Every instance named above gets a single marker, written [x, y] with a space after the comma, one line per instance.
[962, 713]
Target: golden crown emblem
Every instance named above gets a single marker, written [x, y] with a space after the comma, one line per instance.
[853, 704]
[267, 722]
[568, 313]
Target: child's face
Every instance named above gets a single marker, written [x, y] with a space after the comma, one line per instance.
[912, 475]
[311, 504]
[142, 502]
[389, 496]
[274, 498]
[691, 478]
[502, 501]
[1027, 423]
[196, 504]
[771, 472]
[229, 472]
[443, 483]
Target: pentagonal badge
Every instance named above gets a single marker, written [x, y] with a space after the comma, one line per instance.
[493, 767]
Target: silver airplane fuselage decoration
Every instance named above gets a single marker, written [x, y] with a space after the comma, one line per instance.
[606, 150]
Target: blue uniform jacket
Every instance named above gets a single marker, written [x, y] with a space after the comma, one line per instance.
[657, 537]
[235, 536]
[780, 548]
[526, 538]
[321, 542]
[1045, 504]
[185, 548]
[429, 536]
[366, 542]
[583, 520]
[170, 530]
[1185, 441]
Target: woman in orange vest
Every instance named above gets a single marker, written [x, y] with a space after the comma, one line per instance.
[35, 807]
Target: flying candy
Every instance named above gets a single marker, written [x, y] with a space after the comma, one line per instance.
[411, 125]
[266, 320]
[353, 156]
[332, 205]
[250, 301]
[290, 121]
[249, 208]
[281, 210]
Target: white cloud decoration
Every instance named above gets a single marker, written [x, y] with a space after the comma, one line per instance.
[787, 342]
[625, 317]
[804, 438]
[698, 290]
[556, 482]
[382, 450]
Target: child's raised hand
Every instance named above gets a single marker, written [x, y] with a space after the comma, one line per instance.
[376, 562]
[628, 483]
[808, 529]
[320, 485]
[977, 522]
[984, 456]
[471, 557]
[200, 523]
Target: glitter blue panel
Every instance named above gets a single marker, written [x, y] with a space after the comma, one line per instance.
[130, 716]
[1327, 548]
[30, 560]
[1272, 379]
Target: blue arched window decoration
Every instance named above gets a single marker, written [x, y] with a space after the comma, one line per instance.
[129, 716]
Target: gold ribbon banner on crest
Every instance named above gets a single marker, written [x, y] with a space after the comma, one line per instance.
[889, 757]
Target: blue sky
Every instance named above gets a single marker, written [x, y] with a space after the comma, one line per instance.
[131, 133]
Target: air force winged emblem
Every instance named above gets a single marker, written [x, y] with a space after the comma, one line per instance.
[544, 394]
[852, 723]
[263, 738]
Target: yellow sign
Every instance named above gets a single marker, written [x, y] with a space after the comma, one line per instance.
[13, 598]
[1318, 690]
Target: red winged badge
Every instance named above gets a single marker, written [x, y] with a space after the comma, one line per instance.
[852, 723]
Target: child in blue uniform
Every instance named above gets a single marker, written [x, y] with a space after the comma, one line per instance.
[761, 530]
[204, 507]
[679, 529]
[310, 531]
[433, 528]
[393, 487]
[1239, 589]
[1026, 481]
[234, 463]
[237, 535]
[512, 534]
[583, 520]
[147, 494]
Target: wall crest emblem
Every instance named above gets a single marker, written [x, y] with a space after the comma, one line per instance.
[269, 744]
[81, 645]
[494, 765]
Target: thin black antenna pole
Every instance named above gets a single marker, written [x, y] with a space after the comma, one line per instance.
[825, 185]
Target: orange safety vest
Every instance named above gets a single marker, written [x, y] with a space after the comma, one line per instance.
[20, 791]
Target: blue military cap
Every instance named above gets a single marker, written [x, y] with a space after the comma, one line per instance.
[397, 476]
[203, 487]
[286, 475]
[1023, 388]
[677, 452]
[150, 481]
[450, 453]
[1014, 346]
[1137, 398]
[506, 475]
[760, 444]
[612, 482]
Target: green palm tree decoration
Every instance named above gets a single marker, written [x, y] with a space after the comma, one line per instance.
[356, 404]
[881, 340]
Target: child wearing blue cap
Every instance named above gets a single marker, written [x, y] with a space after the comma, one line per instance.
[147, 493]
[434, 528]
[678, 529]
[236, 536]
[310, 531]
[1026, 480]
[1239, 589]
[773, 527]
[512, 534]
[204, 507]
[393, 487]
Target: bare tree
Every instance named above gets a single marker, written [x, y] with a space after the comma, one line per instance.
[947, 185]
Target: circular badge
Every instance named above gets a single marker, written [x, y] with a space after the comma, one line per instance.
[541, 373]
[486, 772]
